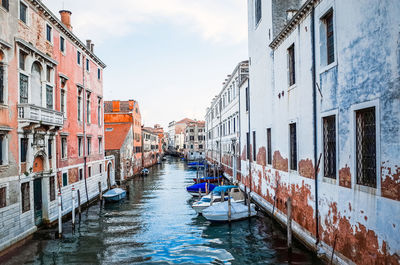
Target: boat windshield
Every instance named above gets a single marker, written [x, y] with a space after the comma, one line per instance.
[205, 199]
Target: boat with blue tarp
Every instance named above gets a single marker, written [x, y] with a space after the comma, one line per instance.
[208, 179]
[194, 189]
[114, 195]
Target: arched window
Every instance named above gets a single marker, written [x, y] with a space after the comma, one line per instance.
[36, 84]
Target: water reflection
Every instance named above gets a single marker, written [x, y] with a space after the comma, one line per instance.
[156, 225]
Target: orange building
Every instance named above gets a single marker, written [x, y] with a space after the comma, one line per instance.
[118, 115]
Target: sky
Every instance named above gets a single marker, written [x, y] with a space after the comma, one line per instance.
[171, 56]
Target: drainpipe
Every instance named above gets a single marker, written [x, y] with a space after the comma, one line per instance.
[314, 120]
[248, 147]
[84, 127]
[239, 130]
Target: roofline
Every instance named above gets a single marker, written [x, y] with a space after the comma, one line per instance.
[48, 14]
[302, 13]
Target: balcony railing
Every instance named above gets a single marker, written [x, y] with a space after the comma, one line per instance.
[35, 114]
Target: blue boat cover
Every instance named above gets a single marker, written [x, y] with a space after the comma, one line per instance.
[202, 186]
[195, 164]
[210, 178]
[221, 189]
[113, 192]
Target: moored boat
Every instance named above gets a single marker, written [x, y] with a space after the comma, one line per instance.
[194, 189]
[215, 197]
[219, 212]
[208, 179]
[114, 195]
[145, 172]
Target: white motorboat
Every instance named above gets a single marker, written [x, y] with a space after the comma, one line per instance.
[219, 212]
[215, 197]
[145, 172]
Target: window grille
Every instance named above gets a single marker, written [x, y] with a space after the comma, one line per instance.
[329, 137]
[291, 66]
[269, 146]
[52, 188]
[2, 83]
[26, 202]
[23, 88]
[330, 46]
[366, 147]
[293, 147]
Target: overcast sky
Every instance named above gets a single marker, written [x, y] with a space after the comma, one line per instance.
[170, 55]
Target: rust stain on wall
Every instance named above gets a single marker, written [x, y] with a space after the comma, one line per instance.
[73, 175]
[243, 156]
[261, 156]
[279, 162]
[345, 177]
[355, 242]
[306, 168]
[390, 182]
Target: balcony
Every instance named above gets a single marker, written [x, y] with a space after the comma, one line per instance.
[34, 114]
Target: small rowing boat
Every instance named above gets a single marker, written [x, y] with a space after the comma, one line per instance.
[114, 195]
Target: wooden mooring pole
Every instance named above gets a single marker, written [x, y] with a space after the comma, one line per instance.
[59, 216]
[79, 202]
[100, 192]
[229, 207]
[73, 207]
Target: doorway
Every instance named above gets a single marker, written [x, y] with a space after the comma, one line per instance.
[37, 201]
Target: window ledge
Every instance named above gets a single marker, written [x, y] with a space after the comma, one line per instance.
[3, 106]
[366, 189]
[332, 181]
[292, 87]
[326, 68]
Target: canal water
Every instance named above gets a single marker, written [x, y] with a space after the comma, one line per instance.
[156, 225]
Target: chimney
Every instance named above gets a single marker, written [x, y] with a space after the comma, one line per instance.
[91, 47]
[115, 105]
[131, 104]
[66, 18]
[88, 44]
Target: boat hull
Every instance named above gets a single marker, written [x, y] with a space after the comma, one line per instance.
[236, 215]
[115, 198]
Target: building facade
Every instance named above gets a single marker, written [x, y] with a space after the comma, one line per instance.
[151, 147]
[51, 129]
[119, 116]
[322, 123]
[223, 123]
[194, 146]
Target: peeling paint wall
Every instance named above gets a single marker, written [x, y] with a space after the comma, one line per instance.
[365, 73]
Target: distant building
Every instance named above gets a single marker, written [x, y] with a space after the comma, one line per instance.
[194, 146]
[151, 147]
[223, 123]
[123, 120]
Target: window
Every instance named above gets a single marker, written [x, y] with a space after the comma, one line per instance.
[65, 179]
[269, 147]
[254, 146]
[98, 73]
[23, 88]
[328, 44]
[200, 146]
[48, 73]
[48, 33]
[62, 44]
[2, 81]
[100, 145]
[24, 149]
[22, 12]
[291, 66]
[87, 65]
[329, 139]
[366, 147]
[63, 147]
[89, 145]
[258, 10]
[80, 173]
[247, 99]
[78, 57]
[25, 194]
[248, 145]
[99, 111]
[5, 4]
[88, 107]
[52, 187]
[63, 101]
[89, 172]
[191, 138]
[50, 148]
[80, 146]
[80, 105]
[293, 147]
[2, 150]
[3, 197]
[49, 97]
[22, 57]
[101, 168]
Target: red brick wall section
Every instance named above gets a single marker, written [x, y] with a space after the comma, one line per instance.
[345, 177]
[390, 181]
[279, 163]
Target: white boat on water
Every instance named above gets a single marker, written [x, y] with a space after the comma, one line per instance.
[215, 197]
[145, 172]
[219, 212]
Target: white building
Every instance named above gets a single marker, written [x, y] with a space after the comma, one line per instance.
[324, 81]
[195, 141]
[222, 123]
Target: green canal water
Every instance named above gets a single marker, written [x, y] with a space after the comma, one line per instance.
[156, 225]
